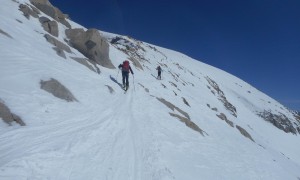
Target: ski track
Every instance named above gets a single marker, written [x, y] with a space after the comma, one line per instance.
[130, 136]
[80, 140]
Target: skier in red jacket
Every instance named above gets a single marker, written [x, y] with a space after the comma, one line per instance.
[125, 73]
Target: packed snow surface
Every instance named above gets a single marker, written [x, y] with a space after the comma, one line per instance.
[111, 135]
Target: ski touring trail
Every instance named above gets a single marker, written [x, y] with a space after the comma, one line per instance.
[196, 122]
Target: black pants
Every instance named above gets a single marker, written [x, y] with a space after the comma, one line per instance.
[125, 76]
[159, 75]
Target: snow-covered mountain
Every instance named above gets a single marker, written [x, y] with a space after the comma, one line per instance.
[65, 116]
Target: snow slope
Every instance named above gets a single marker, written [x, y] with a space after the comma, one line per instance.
[107, 134]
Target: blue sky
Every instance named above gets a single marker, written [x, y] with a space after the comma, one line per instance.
[255, 40]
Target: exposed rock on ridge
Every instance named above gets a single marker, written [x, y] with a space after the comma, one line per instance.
[133, 50]
[27, 11]
[46, 7]
[222, 97]
[280, 121]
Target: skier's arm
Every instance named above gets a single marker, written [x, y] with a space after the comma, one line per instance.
[131, 70]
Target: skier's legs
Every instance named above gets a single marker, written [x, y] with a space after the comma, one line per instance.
[123, 77]
[126, 78]
[159, 75]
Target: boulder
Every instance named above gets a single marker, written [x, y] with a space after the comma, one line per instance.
[57, 89]
[27, 11]
[49, 26]
[91, 44]
[46, 7]
[36, 10]
[9, 117]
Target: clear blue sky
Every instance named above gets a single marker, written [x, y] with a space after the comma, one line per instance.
[255, 40]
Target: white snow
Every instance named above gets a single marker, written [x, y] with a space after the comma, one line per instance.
[130, 136]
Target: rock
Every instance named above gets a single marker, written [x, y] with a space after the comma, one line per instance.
[9, 117]
[27, 11]
[188, 123]
[6, 34]
[173, 107]
[279, 120]
[185, 101]
[46, 7]
[223, 117]
[135, 62]
[132, 49]
[221, 96]
[244, 132]
[60, 52]
[91, 44]
[36, 10]
[44, 19]
[57, 89]
[49, 26]
[84, 62]
[57, 43]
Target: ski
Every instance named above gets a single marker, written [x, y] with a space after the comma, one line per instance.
[125, 90]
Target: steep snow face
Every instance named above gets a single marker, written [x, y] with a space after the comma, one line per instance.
[198, 122]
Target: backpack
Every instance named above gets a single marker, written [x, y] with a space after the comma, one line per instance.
[125, 66]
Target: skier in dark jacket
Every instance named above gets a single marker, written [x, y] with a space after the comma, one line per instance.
[159, 72]
[125, 73]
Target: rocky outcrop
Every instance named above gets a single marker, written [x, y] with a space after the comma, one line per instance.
[185, 118]
[57, 43]
[46, 7]
[244, 132]
[221, 96]
[296, 115]
[84, 61]
[27, 11]
[185, 102]
[9, 117]
[188, 123]
[224, 118]
[279, 120]
[173, 107]
[91, 44]
[57, 89]
[60, 47]
[49, 26]
[133, 50]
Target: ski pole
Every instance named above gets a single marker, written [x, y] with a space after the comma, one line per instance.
[117, 74]
[133, 83]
